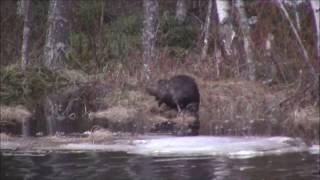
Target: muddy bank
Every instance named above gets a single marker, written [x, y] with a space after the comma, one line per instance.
[230, 107]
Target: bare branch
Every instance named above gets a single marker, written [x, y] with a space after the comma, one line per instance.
[293, 28]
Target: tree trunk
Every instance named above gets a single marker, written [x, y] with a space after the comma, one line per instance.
[26, 12]
[295, 32]
[294, 4]
[315, 5]
[207, 30]
[297, 15]
[244, 27]
[57, 34]
[20, 7]
[149, 34]
[100, 42]
[181, 10]
[226, 30]
[275, 67]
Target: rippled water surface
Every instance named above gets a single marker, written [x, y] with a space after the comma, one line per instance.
[111, 165]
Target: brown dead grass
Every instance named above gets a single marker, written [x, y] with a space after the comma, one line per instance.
[119, 114]
[5, 137]
[13, 114]
[233, 107]
[101, 135]
[305, 122]
[229, 107]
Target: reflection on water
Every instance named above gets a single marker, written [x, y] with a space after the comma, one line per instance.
[109, 166]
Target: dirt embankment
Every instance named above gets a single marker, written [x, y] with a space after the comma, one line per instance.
[230, 107]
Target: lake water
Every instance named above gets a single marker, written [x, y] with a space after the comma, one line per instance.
[132, 161]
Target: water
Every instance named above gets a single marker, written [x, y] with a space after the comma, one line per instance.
[162, 158]
[112, 166]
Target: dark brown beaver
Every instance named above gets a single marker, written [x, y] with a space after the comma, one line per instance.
[179, 92]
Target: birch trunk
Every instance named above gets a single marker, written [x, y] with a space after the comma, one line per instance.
[181, 11]
[295, 32]
[247, 42]
[149, 34]
[315, 5]
[274, 65]
[297, 15]
[207, 30]
[226, 30]
[26, 12]
[294, 4]
[57, 34]
[101, 35]
[20, 7]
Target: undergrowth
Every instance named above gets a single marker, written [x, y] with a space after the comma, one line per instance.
[18, 87]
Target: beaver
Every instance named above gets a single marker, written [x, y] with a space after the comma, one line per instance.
[180, 92]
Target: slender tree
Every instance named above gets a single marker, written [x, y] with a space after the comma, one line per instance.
[247, 41]
[149, 34]
[181, 10]
[57, 34]
[101, 34]
[226, 30]
[298, 38]
[315, 5]
[25, 8]
[294, 5]
[207, 30]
